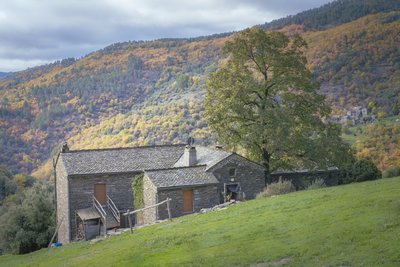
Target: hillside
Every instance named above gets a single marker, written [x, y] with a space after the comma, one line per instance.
[324, 227]
[379, 140]
[358, 63]
[334, 13]
[4, 75]
[137, 93]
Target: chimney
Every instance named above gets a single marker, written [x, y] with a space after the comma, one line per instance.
[218, 146]
[190, 156]
[64, 147]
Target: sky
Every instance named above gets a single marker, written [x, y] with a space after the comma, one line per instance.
[36, 32]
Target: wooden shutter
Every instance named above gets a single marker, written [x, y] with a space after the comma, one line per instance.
[188, 200]
[100, 193]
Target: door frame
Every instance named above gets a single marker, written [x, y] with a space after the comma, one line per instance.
[105, 192]
[183, 200]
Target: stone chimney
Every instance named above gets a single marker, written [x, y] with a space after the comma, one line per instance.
[190, 156]
[64, 147]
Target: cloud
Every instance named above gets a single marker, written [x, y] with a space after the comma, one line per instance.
[38, 31]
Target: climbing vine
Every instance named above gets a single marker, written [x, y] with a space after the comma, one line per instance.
[137, 186]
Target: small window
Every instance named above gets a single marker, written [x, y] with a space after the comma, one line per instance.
[232, 172]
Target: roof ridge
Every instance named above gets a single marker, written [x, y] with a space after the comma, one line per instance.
[121, 148]
[230, 155]
[174, 168]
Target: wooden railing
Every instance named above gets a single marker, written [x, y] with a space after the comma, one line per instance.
[113, 208]
[128, 213]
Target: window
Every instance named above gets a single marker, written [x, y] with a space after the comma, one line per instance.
[187, 200]
[232, 172]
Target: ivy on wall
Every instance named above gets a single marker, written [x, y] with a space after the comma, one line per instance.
[137, 186]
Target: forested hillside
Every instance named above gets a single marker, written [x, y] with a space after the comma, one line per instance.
[334, 13]
[136, 93]
[358, 63]
[142, 80]
[4, 74]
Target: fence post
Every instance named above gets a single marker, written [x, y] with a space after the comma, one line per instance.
[55, 232]
[130, 221]
[169, 208]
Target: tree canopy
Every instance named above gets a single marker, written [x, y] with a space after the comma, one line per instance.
[263, 100]
[7, 185]
[28, 222]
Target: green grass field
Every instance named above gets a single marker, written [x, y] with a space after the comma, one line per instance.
[352, 225]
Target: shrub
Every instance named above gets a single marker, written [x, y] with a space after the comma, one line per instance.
[277, 188]
[7, 184]
[316, 184]
[28, 225]
[391, 172]
[359, 171]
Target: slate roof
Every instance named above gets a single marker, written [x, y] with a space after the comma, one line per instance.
[182, 176]
[206, 156]
[120, 160]
[88, 214]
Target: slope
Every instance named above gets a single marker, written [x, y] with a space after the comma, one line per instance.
[334, 13]
[358, 63]
[347, 73]
[136, 93]
[379, 140]
[353, 225]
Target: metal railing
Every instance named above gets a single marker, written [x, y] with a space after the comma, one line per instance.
[113, 208]
[103, 214]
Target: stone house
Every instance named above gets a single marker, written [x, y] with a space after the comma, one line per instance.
[94, 187]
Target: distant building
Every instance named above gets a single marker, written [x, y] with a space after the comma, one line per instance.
[356, 115]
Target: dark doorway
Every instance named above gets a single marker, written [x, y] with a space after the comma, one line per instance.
[232, 191]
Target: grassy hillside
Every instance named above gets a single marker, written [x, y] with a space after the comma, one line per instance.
[353, 225]
[137, 93]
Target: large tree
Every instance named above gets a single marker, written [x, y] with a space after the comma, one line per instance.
[262, 100]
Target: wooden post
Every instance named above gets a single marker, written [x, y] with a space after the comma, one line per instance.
[169, 208]
[99, 221]
[55, 232]
[105, 226]
[128, 213]
[130, 221]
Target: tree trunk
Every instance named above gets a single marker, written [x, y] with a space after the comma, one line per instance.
[265, 162]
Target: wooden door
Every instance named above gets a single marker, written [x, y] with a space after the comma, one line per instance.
[188, 200]
[100, 193]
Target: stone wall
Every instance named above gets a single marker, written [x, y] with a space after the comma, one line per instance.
[203, 197]
[62, 203]
[81, 190]
[150, 198]
[249, 175]
[302, 179]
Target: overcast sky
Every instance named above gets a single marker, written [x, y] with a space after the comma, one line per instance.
[34, 32]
